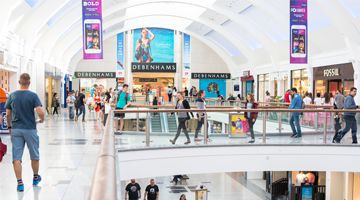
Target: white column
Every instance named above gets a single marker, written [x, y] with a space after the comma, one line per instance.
[353, 51]
[178, 59]
[310, 78]
[40, 81]
[128, 57]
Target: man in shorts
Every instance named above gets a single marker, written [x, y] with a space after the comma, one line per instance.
[123, 101]
[22, 126]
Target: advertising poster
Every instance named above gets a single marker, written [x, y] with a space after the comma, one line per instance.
[120, 68]
[306, 192]
[211, 86]
[186, 56]
[153, 45]
[238, 125]
[298, 32]
[92, 29]
[3, 120]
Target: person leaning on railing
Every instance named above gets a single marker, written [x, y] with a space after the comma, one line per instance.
[349, 118]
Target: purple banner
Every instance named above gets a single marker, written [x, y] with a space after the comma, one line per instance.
[298, 32]
[92, 29]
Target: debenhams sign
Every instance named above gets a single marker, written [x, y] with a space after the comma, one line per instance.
[95, 74]
[210, 76]
[153, 67]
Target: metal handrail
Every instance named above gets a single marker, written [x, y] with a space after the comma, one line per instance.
[103, 185]
[239, 110]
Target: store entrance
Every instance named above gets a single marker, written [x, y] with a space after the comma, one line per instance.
[335, 85]
[148, 85]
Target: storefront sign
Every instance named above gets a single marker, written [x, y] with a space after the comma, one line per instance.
[341, 71]
[95, 74]
[298, 32]
[153, 67]
[147, 80]
[92, 29]
[120, 69]
[331, 72]
[210, 76]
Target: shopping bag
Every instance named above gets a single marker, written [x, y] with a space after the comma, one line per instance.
[245, 126]
[3, 150]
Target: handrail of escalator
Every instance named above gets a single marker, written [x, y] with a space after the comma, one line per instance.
[103, 185]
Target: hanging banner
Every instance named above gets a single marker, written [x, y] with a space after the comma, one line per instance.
[92, 29]
[120, 69]
[186, 56]
[298, 32]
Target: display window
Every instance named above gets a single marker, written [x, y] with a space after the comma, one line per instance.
[263, 86]
[300, 80]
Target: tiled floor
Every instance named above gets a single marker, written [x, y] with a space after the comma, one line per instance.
[68, 156]
[222, 186]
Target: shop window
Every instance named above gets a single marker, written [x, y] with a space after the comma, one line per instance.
[347, 86]
[320, 86]
[263, 86]
[300, 80]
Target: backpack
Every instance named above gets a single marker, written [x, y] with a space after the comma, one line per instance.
[126, 97]
[3, 150]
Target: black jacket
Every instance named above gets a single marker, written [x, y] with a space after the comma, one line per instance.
[186, 106]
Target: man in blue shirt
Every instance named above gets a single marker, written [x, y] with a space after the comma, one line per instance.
[296, 103]
[123, 101]
[22, 126]
[349, 118]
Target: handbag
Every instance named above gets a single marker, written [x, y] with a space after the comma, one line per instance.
[3, 150]
[245, 126]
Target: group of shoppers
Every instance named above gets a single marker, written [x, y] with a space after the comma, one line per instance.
[133, 191]
[338, 102]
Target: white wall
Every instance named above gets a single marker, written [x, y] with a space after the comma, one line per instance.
[216, 159]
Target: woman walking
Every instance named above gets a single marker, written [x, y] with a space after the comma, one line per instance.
[201, 105]
[251, 116]
[55, 104]
[182, 103]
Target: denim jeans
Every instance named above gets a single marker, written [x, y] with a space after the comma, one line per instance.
[295, 123]
[82, 111]
[71, 112]
[251, 127]
[350, 123]
[182, 126]
[199, 126]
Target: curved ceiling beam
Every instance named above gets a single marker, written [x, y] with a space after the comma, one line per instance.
[73, 50]
[60, 47]
[267, 43]
[343, 21]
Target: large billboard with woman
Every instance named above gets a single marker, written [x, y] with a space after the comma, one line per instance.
[153, 45]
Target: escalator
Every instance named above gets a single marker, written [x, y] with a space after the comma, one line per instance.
[156, 125]
[172, 123]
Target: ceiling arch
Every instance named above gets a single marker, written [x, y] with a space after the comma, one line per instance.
[75, 49]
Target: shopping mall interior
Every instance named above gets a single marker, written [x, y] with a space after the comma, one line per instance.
[179, 99]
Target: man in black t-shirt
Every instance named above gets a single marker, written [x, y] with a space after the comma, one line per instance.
[81, 105]
[133, 191]
[152, 191]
